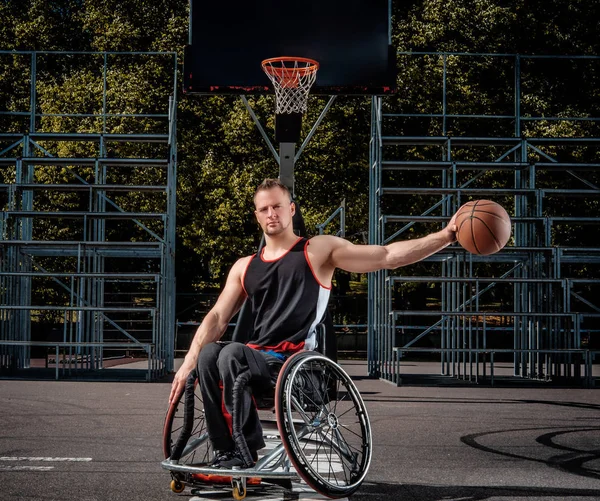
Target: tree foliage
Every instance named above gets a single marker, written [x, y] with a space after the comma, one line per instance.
[222, 156]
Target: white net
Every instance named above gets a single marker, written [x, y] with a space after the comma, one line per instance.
[292, 80]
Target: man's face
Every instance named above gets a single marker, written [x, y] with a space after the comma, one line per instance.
[274, 210]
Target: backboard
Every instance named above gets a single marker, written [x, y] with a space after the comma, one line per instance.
[349, 38]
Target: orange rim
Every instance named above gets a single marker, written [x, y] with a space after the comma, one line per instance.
[285, 72]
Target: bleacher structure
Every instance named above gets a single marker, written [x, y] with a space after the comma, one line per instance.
[87, 229]
[533, 305]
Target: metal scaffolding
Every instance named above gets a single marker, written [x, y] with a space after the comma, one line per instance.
[533, 304]
[87, 229]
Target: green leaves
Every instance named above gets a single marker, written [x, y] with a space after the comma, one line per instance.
[221, 154]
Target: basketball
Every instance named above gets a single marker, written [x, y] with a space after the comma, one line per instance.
[483, 227]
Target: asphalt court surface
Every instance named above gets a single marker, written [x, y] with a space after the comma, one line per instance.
[97, 441]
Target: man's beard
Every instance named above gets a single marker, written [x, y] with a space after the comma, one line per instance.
[275, 230]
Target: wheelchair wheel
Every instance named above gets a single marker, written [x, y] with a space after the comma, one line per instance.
[323, 424]
[185, 438]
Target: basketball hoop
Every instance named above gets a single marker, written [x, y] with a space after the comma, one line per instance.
[292, 78]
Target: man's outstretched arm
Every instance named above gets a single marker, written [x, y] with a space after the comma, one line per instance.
[214, 324]
[365, 258]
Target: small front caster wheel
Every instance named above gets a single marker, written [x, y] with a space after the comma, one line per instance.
[177, 486]
[239, 491]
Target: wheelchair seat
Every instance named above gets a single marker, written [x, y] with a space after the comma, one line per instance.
[264, 391]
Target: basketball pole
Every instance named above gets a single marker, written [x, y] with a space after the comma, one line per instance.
[287, 152]
[287, 133]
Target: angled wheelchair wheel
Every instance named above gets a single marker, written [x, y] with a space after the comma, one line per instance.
[323, 424]
[185, 437]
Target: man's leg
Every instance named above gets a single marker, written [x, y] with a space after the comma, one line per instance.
[212, 397]
[232, 362]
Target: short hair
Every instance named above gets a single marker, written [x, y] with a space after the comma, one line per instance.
[269, 184]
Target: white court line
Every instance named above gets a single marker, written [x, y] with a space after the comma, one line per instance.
[26, 468]
[48, 459]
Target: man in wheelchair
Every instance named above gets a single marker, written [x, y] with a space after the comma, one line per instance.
[287, 285]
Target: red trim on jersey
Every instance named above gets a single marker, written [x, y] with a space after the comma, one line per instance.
[311, 267]
[277, 259]
[283, 347]
[246, 271]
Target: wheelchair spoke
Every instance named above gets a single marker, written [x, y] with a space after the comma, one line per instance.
[349, 451]
[330, 464]
[346, 412]
[175, 430]
[194, 443]
[348, 454]
[327, 440]
[316, 369]
[298, 407]
[315, 455]
[346, 427]
[336, 450]
[199, 427]
[315, 461]
[308, 398]
[339, 444]
[342, 455]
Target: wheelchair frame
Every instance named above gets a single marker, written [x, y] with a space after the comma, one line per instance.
[313, 400]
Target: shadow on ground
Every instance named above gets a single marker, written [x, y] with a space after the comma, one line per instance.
[371, 491]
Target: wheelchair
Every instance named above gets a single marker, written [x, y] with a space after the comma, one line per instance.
[320, 435]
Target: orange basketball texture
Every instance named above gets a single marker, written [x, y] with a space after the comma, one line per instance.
[483, 227]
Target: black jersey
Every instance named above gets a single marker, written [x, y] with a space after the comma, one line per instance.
[287, 300]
